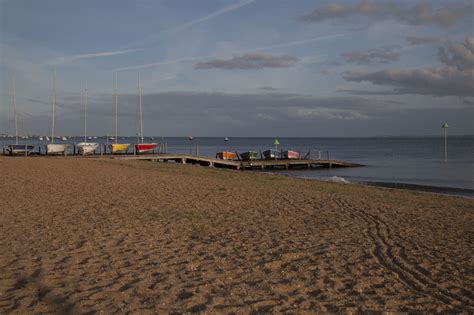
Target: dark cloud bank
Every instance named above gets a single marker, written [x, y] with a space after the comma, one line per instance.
[411, 14]
[454, 77]
[248, 62]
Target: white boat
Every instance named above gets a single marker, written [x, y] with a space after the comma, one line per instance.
[54, 148]
[63, 138]
[47, 138]
[41, 138]
[86, 147]
[117, 147]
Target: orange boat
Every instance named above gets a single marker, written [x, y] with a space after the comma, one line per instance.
[226, 155]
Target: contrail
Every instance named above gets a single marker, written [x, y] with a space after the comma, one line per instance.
[270, 47]
[211, 15]
[187, 25]
[63, 60]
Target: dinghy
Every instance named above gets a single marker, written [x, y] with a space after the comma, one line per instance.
[117, 147]
[86, 147]
[52, 148]
[143, 147]
[293, 155]
[249, 155]
[226, 155]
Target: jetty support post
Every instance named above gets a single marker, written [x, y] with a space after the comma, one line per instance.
[183, 161]
[327, 154]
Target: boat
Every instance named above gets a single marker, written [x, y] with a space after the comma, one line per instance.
[111, 138]
[272, 154]
[54, 148]
[41, 138]
[291, 155]
[63, 138]
[226, 139]
[226, 155]
[117, 147]
[86, 147]
[17, 148]
[47, 138]
[143, 147]
[190, 138]
[20, 149]
[249, 155]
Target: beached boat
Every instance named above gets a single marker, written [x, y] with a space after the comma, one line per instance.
[20, 149]
[272, 154]
[143, 147]
[117, 147]
[17, 148]
[291, 155]
[52, 148]
[226, 155]
[85, 147]
[249, 155]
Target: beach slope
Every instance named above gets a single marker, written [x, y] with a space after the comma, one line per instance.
[84, 234]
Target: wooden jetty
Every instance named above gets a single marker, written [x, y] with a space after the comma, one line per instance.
[239, 165]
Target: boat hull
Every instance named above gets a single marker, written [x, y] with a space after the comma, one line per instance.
[247, 156]
[119, 147]
[226, 155]
[271, 154]
[20, 148]
[292, 155]
[53, 148]
[85, 148]
[145, 147]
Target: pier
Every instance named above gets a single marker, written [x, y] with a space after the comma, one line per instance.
[238, 165]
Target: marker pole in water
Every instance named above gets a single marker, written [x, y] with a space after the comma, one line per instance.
[445, 127]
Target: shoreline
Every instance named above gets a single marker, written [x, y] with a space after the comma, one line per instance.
[92, 235]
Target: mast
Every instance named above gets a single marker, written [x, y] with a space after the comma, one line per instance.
[14, 113]
[116, 106]
[54, 103]
[85, 117]
[140, 105]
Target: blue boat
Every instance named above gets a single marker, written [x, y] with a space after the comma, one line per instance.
[23, 149]
[272, 154]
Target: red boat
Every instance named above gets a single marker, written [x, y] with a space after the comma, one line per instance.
[291, 155]
[145, 147]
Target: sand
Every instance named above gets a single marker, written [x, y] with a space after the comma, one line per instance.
[84, 235]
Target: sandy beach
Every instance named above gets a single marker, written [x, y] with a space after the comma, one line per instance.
[87, 235]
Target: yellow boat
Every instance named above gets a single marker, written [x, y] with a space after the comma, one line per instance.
[119, 147]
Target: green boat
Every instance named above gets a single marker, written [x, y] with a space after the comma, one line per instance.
[249, 155]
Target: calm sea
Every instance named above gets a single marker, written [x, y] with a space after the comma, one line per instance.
[391, 160]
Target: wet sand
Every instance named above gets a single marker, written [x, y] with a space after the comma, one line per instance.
[85, 235]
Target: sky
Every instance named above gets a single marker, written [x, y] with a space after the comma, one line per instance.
[239, 67]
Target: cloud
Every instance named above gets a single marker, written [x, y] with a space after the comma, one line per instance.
[459, 55]
[249, 61]
[269, 47]
[332, 114]
[373, 56]
[421, 14]
[442, 81]
[414, 40]
[455, 77]
[70, 59]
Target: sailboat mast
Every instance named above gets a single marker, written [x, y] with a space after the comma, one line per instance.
[54, 104]
[140, 105]
[14, 113]
[116, 106]
[85, 117]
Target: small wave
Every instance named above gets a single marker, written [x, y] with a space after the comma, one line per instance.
[336, 179]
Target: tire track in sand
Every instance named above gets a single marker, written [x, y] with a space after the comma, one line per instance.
[389, 256]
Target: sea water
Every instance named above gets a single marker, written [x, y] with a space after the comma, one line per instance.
[392, 160]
